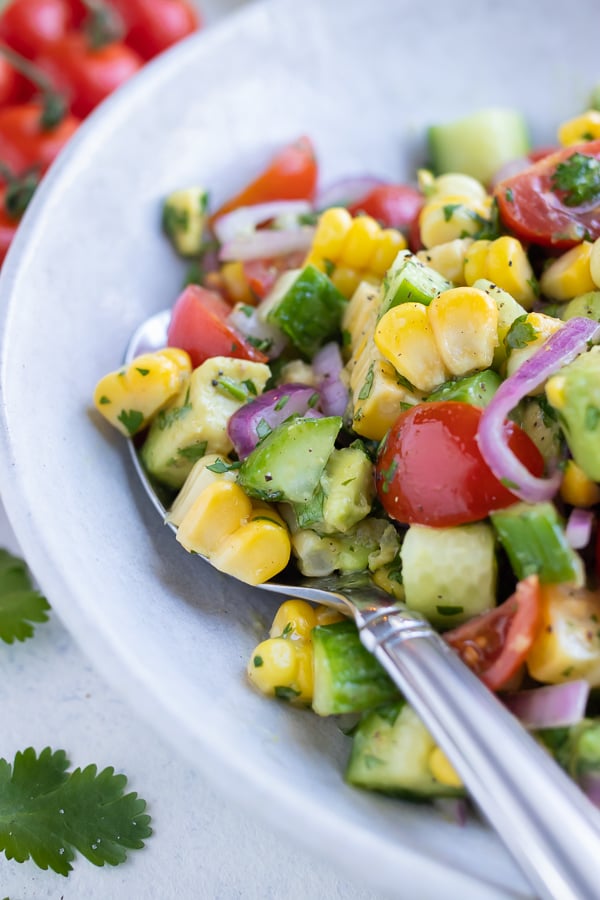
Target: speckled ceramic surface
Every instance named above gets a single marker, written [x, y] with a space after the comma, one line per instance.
[90, 263]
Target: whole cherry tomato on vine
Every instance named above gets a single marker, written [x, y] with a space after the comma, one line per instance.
[154, 25]
[29, 26]
[26, 142]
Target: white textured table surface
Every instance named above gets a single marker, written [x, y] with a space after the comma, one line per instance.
[202, 847]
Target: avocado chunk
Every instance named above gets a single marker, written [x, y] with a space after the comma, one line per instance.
[574, 392]
[184, 218]
[288, 462]
[479, 144]
[586, 305]
[195, 423]
[391, 751]
[344, 495]
[371, 544]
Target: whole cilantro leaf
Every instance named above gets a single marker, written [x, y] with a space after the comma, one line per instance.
[20, 604]
[47, 813]
[520, 334]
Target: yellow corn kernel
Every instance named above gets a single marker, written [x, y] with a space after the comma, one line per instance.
[255, 552]
[326, 615]
[508, 266]
[543, 327]
[569, 275]
[360, 314]
[476, 262]
[576, 488]
[330, 237]
[273, 664]
[453, 184]
[464, 322]
[377, 397]
[567, 643]
[294, 619]
[359, 245]
[442, 769]
[305, 677]
[265, 512]
[216, 513]
[130, 397]
[446, 218]
[197, 481]
[382, 579]
[405, 337]
[555, 391]
[595, 262]
[448, 259]
[346, 279]
[236, 283]
[387, 245]
[585, 127]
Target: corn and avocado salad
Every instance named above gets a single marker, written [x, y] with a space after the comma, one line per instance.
[400, 379]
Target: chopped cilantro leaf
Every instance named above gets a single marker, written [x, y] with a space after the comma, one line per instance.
[20, 604]
[592, 417]
[508, 195]
[142, 371]
[104, 400]
[194, 451]
[367, 384]
[578, 178]
[250, 386]
[520, 334]
[281, 402]
[449, 610]
[132, 419]
[47, 813]
[388, 474]
[263, 429]
[285, 693]
[450, 209]
[257, 662]
[329, 267]
[235, 389]
[220, 466]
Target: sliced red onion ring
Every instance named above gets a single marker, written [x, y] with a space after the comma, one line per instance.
[561, 348]
[245, 219]
[552, 706]
[267, 243]
[258, 417]
[265, 336]
[328, 365]
[578, 530]
[347, 191]
[509, 169]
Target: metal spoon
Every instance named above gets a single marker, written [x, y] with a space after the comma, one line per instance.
[545, 821]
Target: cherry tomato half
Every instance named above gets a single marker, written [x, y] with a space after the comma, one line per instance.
[495, 644]
[530, 206]
[430, 470]
[154, 25]
[199, 326]
[87, 75]
[394, 205]
[28, 26]
[24, 144]
[291, 175]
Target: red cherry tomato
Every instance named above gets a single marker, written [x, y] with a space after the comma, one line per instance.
[430, 470]
[541, 153]
[28, 26]
[394, 205]
[262, 274]
[24, 144]
[154, 25]
[291, 175]
[87, 75]
[199, 326]
[531, 208]
[495, 644]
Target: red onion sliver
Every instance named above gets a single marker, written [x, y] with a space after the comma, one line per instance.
[561, 348]
[514, 167]
[454, 809]
[267, 412]
[267, 243]
[327, 365]
[245, 219]
[347, 191]
[246, 320]
[552, 706]
[578, 530]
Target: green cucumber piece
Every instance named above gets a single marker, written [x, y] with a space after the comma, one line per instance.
[534, 539]
[309, 311]
[408, 280]
[390, 752]
[477, 389]
[347, 678]
[478, 144]
[289, 462]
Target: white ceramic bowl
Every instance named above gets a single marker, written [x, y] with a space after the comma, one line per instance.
[89, 263]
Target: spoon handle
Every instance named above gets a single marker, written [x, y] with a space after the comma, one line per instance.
[544, 819]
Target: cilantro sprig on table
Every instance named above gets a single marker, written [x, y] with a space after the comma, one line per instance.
[47, 813]
[20, 604]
